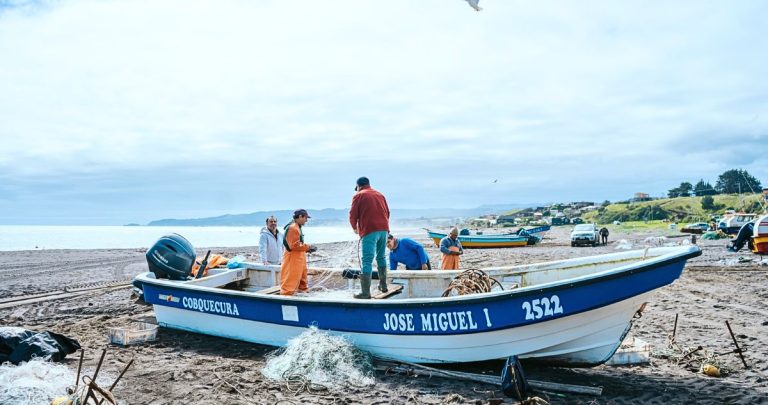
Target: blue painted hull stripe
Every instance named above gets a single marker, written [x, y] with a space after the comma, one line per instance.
[444, 317]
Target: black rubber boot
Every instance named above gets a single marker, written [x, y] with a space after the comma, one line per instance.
[383, 279]
[365, 286]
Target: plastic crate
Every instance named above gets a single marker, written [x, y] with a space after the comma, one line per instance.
[138, 332]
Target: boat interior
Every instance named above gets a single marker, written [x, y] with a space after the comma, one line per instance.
[336, 283]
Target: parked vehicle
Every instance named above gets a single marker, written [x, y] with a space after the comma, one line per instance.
[698, 228]
[585, 234]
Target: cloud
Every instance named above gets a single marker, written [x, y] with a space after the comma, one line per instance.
[139, 106]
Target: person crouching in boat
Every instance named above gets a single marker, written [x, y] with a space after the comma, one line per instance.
[451, 249]
[408, 252]
[293, 270]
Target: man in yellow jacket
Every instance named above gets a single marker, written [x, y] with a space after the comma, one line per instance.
[293, 270]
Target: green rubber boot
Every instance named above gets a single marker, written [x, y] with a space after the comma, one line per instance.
[383, 279]
[365, 286]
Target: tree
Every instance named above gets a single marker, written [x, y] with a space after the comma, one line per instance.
[684, 190]
[605, 203]
[737, 181]
[708, 202]
[703, 188]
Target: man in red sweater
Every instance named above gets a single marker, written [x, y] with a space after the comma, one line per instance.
[369, 217]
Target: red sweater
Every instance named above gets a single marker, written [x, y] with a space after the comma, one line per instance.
[369, 212]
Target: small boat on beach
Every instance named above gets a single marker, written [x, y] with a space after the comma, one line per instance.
[485, 241]
[760, 236]
[572, 312]
[732, 222]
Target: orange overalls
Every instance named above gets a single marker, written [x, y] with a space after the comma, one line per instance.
[450, 262]
[293, 271]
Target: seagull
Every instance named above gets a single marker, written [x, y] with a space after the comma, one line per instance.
[496, 180]
[473, 4]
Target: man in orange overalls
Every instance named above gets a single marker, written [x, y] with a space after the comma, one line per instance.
[451, 249]
[293, 270]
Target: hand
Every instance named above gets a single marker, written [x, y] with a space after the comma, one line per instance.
[355, 229]
[424, 266]
[312, 249]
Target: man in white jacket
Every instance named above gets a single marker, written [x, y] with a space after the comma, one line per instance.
[271, 243]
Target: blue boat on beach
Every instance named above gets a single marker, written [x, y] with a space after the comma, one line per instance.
[571, 312]
[483, 241]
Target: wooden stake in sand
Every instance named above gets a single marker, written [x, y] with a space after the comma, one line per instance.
[674, 329]
[738, 349]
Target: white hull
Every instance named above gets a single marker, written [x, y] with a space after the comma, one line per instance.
[585, 338]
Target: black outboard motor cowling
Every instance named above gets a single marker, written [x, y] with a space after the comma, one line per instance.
[172, 256]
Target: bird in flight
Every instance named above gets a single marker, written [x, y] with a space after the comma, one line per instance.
[473, 4]
[495, 180]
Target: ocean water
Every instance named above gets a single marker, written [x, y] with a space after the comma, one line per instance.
[31, 237]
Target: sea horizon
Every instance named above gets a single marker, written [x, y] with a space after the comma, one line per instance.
[46, 237]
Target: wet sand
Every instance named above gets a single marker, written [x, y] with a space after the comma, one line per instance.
[183, 367]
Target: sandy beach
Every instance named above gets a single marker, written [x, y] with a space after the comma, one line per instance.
[181, 367]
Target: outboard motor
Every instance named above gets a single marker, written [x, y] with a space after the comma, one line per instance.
[172, 256]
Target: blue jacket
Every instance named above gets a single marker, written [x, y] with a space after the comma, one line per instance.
[410, 253]
[447, 242]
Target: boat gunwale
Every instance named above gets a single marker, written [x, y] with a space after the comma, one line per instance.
[639, 266]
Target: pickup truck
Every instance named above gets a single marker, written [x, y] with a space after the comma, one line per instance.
[585, 234]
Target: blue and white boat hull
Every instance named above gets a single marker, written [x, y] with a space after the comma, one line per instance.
[578, 318]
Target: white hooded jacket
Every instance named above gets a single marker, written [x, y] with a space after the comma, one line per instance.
[271, 246]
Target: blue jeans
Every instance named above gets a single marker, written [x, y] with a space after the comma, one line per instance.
[374, 243]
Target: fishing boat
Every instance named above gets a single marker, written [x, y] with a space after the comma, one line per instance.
[732, 222]
[760, 236]
[484, 241]
[571, 312]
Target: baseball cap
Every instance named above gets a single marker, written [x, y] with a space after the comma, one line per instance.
[301, 211]
[362, 181]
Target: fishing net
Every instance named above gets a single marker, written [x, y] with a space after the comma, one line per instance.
[317, 360]
[714, 235]
[623, 244]
[655, 241]
[347, 255]
[328, 293]
[34, 382]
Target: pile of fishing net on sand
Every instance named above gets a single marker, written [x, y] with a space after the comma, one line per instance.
[34, 382]
[623, 244]
[316, 360]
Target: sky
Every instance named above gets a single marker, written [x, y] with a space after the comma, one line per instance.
[114, 112]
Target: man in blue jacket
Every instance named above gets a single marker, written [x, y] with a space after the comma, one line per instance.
[409, 252]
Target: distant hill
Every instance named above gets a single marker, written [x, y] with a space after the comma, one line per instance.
[683, 209]
[336, 215]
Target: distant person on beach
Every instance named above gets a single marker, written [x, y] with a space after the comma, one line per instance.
[293, 271]
[604, 235]
[408, 252]
[369, 217]
[270, 243]
[451, 249]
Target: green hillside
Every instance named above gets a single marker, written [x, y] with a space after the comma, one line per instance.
[680, 209]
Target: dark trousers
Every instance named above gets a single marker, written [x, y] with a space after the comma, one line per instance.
[429, 266]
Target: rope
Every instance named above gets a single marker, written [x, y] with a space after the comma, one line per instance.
[472, 282]
[359, 260]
